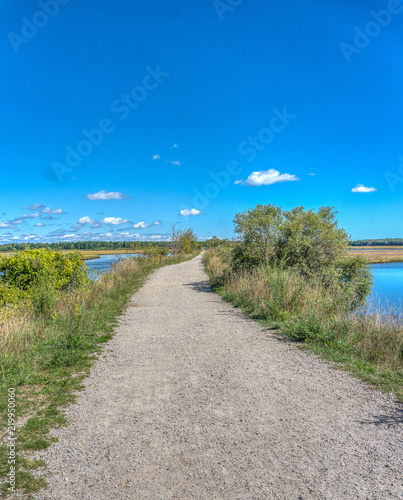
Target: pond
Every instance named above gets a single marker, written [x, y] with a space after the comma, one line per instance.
[388, 285]
[105, 263]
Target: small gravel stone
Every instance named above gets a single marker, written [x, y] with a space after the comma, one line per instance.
[193, 400]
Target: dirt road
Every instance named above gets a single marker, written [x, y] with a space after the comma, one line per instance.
[193, 400]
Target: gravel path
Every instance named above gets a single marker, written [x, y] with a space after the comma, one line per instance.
[193, 400]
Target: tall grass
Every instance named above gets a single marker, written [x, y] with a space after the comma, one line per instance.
[47, 345]
[369, 344]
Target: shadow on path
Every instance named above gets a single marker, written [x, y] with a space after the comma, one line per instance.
[199, 286]
[394, 419]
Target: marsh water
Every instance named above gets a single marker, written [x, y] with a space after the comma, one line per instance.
[105, 263]
[387, 291]
[388, 285]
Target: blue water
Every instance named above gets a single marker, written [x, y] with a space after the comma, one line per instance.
[387, 291]
[104, 263]
[388, 285]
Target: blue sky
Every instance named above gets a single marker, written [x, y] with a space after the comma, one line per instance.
[121, 117]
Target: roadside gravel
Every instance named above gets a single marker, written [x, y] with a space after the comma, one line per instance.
[194, 400]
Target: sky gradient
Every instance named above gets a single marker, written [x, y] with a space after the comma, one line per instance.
[119, 118]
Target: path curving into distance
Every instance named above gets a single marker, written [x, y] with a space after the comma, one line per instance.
[194, 400]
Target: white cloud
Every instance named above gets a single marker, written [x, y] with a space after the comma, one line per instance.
[141, 225]
[175, 162]
[45, 210]
[5, 225]
[156, 157]
[311, 174]
[266, 178]
[158, 237]
[157, 223]
[36, 206]
[193, 211]
[35, 215]
[48, 210]
[39, 224]
[104, 195]
[174, 146]
[114, 221]
[85, 220]
[360, 188]
[126, 234]
[69, 236]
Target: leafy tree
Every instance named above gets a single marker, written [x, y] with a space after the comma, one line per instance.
[214, 242]
[182, 241]
[357, 278]
[260, 230]
[307, 241]
[188, 241]
[384, 242]
[81, 245]
[311, 241]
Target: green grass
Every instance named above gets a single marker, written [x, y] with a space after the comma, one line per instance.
[47, 358]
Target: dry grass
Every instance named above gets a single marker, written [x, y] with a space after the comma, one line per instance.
[380, 255]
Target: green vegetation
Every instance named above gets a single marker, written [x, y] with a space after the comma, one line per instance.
[290, 270]
[37, 274]
[183, 241]
[84, 245]
[371, 243]
[50, 337]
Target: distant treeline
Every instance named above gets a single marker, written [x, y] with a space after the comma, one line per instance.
[84, 245]
[385, 242]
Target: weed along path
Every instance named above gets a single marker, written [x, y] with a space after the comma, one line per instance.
[194, 400]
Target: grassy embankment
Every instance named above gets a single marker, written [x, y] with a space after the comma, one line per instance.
[46, 355]
[368, 345]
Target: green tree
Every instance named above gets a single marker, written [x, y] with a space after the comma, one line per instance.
[311, 241]
[188, 241]
[306, 241]
[356, 278]
[214, 242]
[260, 230]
